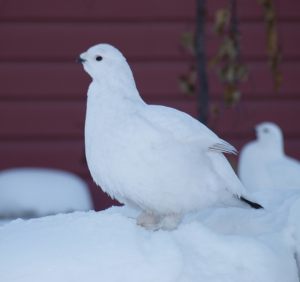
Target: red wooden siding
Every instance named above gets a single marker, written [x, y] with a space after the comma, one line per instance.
[43, 91]
[159, 80]
[131, 10]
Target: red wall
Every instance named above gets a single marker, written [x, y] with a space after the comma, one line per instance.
[42, 91]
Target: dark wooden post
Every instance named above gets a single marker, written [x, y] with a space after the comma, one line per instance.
[203, 95]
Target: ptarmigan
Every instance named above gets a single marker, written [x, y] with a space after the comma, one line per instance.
[263, 163]
[155, 158]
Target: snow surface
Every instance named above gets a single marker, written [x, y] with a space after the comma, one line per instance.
[34, 192]
[225, 244]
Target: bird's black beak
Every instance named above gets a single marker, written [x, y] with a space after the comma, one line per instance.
[80, 60]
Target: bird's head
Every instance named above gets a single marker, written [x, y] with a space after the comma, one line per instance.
[269, 133]
[104, 62]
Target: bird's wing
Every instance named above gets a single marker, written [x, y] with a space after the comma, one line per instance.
[185, 129]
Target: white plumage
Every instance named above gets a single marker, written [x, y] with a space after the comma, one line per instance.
[155, 158]
[263, 163]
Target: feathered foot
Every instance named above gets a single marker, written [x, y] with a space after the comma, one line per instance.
[152, 221]
[149, 220]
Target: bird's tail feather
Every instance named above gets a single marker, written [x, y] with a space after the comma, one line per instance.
[251, 204]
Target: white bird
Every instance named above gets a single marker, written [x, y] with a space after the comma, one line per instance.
[152, 157]
[263, 163]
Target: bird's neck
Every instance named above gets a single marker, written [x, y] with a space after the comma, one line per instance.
[276, 149]
[110, 98]
[112, 87]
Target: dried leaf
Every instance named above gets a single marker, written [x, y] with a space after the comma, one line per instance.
[242, 73]
[265, 3]
[214, 60]
[277, 80]
[272, 42]
[227, 73]
[215, 110]
[231, 95]
[273, 49]
[269, 15]
[186, 85]
[228, 49]
[222, 17]
[188, 41]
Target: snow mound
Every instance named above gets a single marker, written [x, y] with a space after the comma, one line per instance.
[34, 192]
[277, 226]
[294, 230]
[109, 246]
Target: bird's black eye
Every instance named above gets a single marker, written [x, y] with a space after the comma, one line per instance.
[99, 58]
[266, 130]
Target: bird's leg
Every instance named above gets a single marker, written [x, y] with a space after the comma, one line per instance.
[149, 220]
[170, 221]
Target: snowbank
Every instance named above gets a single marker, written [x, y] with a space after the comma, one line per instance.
[108, 246]
[34, 192]
[294, 230]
